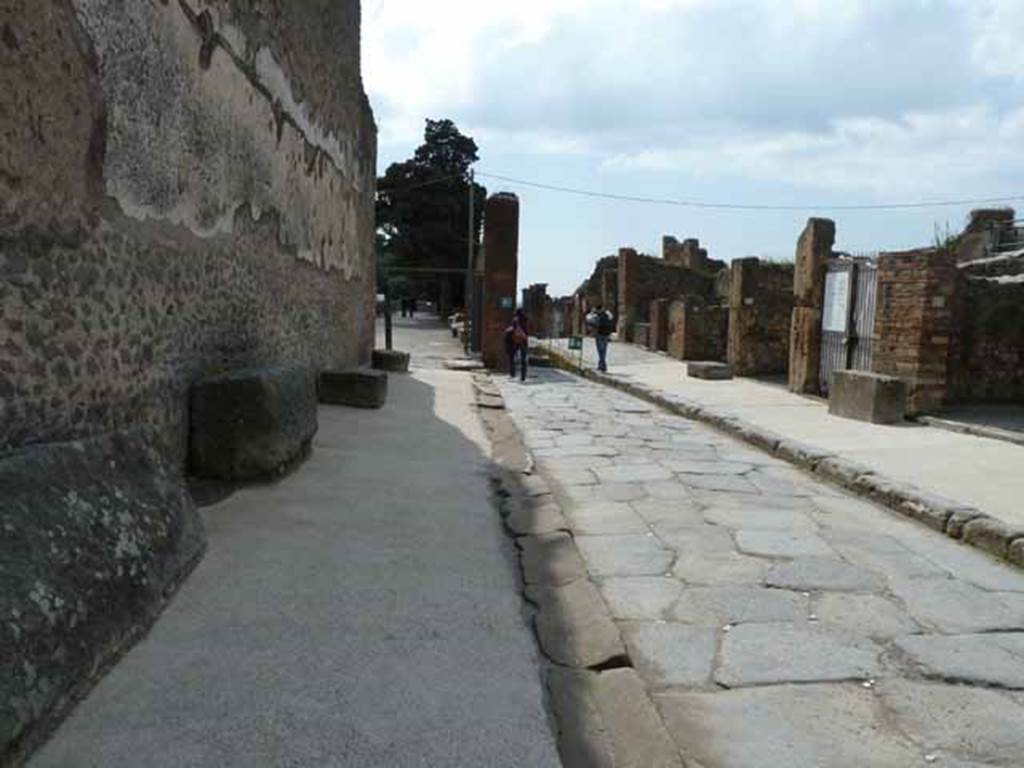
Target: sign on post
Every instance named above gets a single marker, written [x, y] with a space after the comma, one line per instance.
[575, 343]
[836, 314]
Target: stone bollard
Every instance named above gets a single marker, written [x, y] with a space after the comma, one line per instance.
[355, 387]
[391, 360]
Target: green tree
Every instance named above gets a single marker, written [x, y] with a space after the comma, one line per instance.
[423, 211]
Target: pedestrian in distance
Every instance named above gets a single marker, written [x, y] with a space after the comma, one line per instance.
[601, 323]
[517, 339]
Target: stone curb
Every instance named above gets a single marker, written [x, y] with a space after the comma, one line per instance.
[955, 519]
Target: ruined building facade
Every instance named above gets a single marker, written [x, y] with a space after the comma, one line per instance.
[185, 188]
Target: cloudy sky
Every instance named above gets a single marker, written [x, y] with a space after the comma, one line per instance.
[782, 102]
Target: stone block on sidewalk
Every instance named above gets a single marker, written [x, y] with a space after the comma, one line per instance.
[709, 370]
[355, 387]
[573, 625]
[867, 397]
[251, 423]
[991, 535]
[391, 360]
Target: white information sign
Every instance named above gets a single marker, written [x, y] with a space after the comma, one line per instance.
[836, 316]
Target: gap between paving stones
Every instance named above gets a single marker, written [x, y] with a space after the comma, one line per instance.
[958, 521]
[603, 714]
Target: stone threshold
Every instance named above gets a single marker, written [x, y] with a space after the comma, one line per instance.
[957, 520]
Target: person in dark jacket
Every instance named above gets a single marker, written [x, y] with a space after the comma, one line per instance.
[517, 338]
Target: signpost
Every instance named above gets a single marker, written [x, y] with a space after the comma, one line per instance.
[836, 316]
[576, 345]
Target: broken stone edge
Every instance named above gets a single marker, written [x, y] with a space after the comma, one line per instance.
[585, 693]
[957, 520]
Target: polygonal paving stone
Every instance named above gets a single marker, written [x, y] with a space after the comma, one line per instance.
[550, 559]
[785, 726]
[781, 482]
[867, 615]
[628, 555]
[756, 517]
[717, 606]
[640, 597]
[633, 473]
[611, 492]
[573, 625]
[533, 516]
[966, 563]
[976, 659]
[668, 490]
[793, 653]
[669, 516]
[882, 554]
[954, 606]
[725, 483]
[568, 478]
[974, 724]
[824, 573]
[770, 543]
[716, 569]
[606, 517]
[700, 540]
[710, 467]
[667, 654]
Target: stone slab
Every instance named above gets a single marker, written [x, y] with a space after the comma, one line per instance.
[94, 535]
[785, 726]
[669, 654]
[533, 516]
[641, 598]
[872, 616]
[986, 659]
[715, 569]
[767, 543]
[390, 360]
[628, 555]
[718, 606]
[573, 625]
[667, 516]
[606, 517]
[823, 573]
[755, 517]
[867, 396]
[251, 423]
[355, 387]
[711, 371]
[606, 720]
[957, 607]
[549, 559]
[754, 654]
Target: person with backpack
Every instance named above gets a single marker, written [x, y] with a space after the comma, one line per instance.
[517, 339]
[602, 324]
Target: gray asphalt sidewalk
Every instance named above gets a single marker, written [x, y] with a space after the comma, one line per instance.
[361, 612]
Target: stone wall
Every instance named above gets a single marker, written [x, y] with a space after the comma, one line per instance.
[642, 279]
[914, 322]
[689, 254]
[760, 312]
[657, 339]
[536, 305]
[216, 212]
[987, 347]
[813, 250]
[697, 330]
[501, 264]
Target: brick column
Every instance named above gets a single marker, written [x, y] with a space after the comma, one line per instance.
[535, 305]
[501, 244]
[914, 322]
[813, 251]
[742, 316]
[627, 273]
[657, 339]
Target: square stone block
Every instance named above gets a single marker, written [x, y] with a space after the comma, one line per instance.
[867, 397]
[391, 360]
[356, 387]
[709, 370]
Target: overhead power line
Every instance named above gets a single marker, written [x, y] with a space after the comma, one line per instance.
[750, 206]
[431, 182]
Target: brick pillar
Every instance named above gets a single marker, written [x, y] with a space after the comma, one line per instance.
[813, 251]
[658, 337]
[610, 289]
[743, 316]
[627, 274]
[535, 305]
[914, 322]
[501, 243]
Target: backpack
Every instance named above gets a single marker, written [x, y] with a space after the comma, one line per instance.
[519, 337]
[604, 324]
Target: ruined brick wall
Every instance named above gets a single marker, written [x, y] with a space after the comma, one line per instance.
[215, 212]
[697, 330]
[642, 279]
[813, 250]
[987, 346]
[657, 339]
[536, 306]
[914, 322]
[760, 312]
[689, 254]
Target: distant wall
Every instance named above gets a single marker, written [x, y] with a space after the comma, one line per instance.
[642, 279]
[987, 347]
[697, 330]
[184, 187]
[760, 311]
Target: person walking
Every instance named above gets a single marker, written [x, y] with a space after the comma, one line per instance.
[517, 339]
[602, 324]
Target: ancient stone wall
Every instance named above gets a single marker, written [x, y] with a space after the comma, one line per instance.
[760, 312]
[697, 330]
[642, 279]
[689, 254]
[501, 242]
[536, 305]
[185, 187]
[657, 339]
[914, 322]
[987, 347]
[813, 250]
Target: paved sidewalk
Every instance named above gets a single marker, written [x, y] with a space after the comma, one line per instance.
[979, 472]
[776, 621]
[362, 612]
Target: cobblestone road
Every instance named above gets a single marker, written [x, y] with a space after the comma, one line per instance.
[777, 621]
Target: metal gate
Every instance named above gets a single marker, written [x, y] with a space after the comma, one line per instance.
[848, 317]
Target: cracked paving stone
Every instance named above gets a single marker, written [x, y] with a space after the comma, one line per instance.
[974, 724]
[573, 625]
[702, 539]
[711, 466]
[728, 483]
[605, 517]
[756, 517]
[957, 607]
[754, 654]
[570, 477]
[611, 492]
[786, 726]
[719, 569]
[633, 473]
[669, 516]
[986, 659]
[770, 543]
[667, 654]
[628, 555]
[881, 554]
[564, 453]
[640, 597]
[550, 559]
[868, 615]
[823, 573]
[967, 563]
[667, 490]
[718, 606]
[781, 481]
